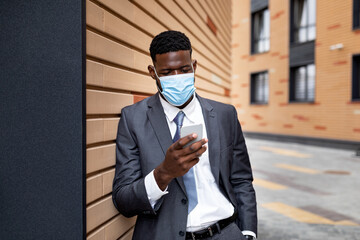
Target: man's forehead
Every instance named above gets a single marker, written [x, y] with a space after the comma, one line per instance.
[174, 59]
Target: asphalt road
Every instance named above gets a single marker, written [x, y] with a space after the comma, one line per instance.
[305, 192]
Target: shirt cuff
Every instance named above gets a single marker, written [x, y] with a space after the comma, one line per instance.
[153, 191]
[247, 232]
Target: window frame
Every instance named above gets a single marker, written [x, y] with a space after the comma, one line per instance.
[252, 88]
[356, 14]
[252, 29]
[292, 24]
[355, 85]
[292, 85]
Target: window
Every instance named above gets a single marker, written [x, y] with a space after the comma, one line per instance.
[260, 31]
[356, 78]
[356, 14]
[302, 83]
[259, 88]
[303, 20]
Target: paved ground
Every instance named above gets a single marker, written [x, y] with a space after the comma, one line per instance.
[305, 192]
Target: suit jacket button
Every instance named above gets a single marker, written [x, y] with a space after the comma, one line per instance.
[183, 201]
[181, 233]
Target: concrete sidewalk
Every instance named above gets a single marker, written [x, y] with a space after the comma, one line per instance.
[305, 192]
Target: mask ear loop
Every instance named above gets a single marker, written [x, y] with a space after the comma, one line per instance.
[159, 81]
[156, 72]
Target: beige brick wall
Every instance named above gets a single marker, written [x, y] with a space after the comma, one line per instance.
[333, 115]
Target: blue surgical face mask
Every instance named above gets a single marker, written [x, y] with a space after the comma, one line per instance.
[177, 89]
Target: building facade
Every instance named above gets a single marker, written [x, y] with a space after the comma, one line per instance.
[295, 68]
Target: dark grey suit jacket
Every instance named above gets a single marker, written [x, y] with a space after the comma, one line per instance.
[142, 141]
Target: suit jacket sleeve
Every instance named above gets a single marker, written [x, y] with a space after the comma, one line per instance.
[241, 179]
[129, 193]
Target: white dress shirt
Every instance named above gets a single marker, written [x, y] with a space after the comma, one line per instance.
[212, 204]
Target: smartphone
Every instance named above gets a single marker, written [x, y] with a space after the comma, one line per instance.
[198, 129]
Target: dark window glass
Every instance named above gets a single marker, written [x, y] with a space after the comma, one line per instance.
[356, 14]
[356, 78]
[260, 26]
[302, 83]
[259, 88]
[304, 20]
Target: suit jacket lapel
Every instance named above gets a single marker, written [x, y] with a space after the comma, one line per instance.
[212, 130]
[158, 121]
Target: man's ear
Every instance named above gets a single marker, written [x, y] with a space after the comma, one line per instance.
[152, 72]
[194, 62]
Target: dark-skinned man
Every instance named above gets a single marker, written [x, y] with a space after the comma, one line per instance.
[200, 191]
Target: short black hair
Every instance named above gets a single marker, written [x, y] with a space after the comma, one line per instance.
[169, 41]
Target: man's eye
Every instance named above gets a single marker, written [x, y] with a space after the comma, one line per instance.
[185, 70]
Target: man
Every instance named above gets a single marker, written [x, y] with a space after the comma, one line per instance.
[200, 191]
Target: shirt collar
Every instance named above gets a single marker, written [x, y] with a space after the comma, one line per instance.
[171, 111]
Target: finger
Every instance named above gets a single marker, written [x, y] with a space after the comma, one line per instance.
[196, 146]
[190, 157]
[193, 162]
[179, 144]
[201, 151]
[190, 164]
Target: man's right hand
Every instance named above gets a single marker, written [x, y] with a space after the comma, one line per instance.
[179, 160]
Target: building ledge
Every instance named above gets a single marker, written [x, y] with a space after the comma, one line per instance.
[322, 142]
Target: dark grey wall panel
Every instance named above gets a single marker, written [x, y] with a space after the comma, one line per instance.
[42, 119]
[257, 5]
[301, 54]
